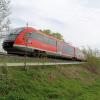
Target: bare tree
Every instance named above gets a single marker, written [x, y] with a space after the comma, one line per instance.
[4, 13]
[4, 25]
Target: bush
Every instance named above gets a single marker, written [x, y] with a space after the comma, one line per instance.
[93, 60]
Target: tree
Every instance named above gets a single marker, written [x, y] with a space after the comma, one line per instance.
[56, 35]
[4, 24]
[4, 13]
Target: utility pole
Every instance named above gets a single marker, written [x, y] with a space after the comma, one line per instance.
[26, 40]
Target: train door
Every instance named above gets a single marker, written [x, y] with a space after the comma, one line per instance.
[59, 47]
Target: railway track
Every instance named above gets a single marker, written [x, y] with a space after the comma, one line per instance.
[39, 64]
[16, 60]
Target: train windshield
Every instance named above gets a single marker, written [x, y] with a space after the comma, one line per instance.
[14, 33]
[11, 36]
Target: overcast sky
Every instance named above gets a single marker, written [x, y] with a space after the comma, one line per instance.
[77, 20]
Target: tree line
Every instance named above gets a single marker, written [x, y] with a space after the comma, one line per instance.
[54, 34]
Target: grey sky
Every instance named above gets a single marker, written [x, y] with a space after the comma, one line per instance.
[90, 3]
[77, 20]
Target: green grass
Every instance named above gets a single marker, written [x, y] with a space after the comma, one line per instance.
[50, 83]
[65, 82]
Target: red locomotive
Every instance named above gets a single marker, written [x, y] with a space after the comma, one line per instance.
[36, 42]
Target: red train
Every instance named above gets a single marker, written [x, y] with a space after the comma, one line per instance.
[32, 41]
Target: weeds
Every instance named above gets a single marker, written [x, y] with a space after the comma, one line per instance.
[93, 60]
[53, 83]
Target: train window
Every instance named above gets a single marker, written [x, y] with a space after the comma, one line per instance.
[68, 49]
[51, 41]
[16, 31]
[37, 36]
[43, 38]
[12, 36]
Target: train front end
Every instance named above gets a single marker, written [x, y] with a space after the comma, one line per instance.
[10, 39]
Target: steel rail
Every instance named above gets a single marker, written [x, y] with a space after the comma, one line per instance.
[40, 64]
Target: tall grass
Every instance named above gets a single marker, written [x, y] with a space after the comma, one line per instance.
[93, 60]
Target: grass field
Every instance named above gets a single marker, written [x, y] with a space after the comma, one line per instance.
[65, 82]
[50, 83]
